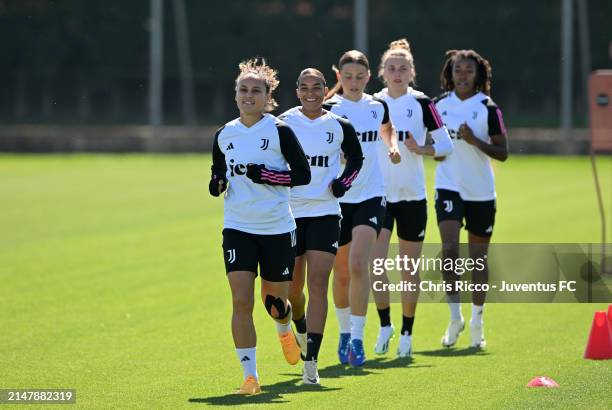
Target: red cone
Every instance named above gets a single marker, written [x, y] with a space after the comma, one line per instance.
[542, 381]
[599, 345]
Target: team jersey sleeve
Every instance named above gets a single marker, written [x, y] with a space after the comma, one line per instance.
[352, 152]
[495, 119]
[295, 156]
[385, 108]
[218, 168]
[432, 120]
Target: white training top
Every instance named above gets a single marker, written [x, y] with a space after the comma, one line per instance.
[412, 112]
[366, 115]
[323, 139]
[249, 207]
[468, 170]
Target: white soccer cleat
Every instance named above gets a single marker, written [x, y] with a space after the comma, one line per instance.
[302, 341]
[454, 329]
[311, 374]
[477, 336]
[385, 334]
[404, 349]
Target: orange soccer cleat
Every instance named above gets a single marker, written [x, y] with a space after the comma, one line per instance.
[249, 387]
[291, 350]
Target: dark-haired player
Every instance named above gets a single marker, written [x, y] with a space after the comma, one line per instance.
[465, 187]
[363, 207]
[258, 159]
[324, 136]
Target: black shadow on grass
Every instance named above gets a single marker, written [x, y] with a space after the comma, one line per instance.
[448, 352]
[341, 370]
[270, 394]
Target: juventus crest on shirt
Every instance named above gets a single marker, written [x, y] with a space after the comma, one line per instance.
[323, 139]
[272, 151]
[366, 115]
[416, 114]
[468, 170]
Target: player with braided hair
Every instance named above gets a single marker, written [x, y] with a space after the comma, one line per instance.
[465, 186]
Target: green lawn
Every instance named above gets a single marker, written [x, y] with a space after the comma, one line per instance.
[112, 283]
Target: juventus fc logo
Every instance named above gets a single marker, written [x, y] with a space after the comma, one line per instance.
[448, 206]
[374, 114]
[474, 115]
[264, 143]
[409, 114]
[231, 255]
[330, 137]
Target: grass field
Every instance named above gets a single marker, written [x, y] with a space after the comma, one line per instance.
[112, 283]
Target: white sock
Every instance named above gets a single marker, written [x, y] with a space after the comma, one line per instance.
[344, 319]
[477, 314]
[357, 325]
[455, 311]
[248, 361]
[283, 327]
[385, 331]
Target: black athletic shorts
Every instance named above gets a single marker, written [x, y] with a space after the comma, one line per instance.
[411, 217]
[370, 212]
[479, 215]
[275, 254]
[318, 233]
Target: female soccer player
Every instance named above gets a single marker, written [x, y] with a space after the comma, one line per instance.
[412, 114]
[257, 158]
[323, 136]
[363, 207]
[465, 187]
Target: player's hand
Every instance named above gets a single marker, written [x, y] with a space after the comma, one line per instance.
[466, 134]
[394, 156]
[412, 145]
[254, 172]
[338, 188]
[217, 185]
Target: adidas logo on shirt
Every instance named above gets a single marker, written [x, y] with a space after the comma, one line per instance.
[374, 220]
[286, 272]
[230, 146]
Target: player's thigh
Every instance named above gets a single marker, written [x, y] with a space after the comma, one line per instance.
[480, 217]
[411, 220]
[449, 206]
[370, 213]
[322, 234]
[240, 251]
[277, 256]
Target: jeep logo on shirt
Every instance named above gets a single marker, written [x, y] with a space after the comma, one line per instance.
[318, 161]
[237, 169]
[368, 136]
[453, 134]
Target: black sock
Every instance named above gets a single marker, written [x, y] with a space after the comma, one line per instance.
[407, 323]
[313, 345]
[385, 316]
[300, 324]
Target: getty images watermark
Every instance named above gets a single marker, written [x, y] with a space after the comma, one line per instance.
[535, 273]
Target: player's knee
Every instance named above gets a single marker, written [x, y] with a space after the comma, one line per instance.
[342, 278]
[243, 303]
[358, 264]
[276, 307]
[295, 293]
[317, 284]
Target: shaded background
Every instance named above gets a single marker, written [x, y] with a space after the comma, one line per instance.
[77, 62]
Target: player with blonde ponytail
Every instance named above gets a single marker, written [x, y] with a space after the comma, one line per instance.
[413, 115]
